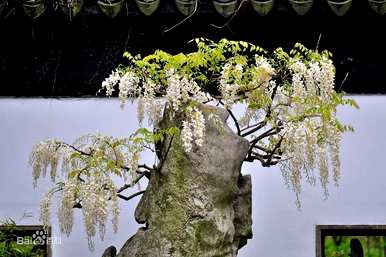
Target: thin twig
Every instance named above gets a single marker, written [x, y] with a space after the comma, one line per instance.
[268, 133]
[274, 150]
[144, 166]
[126, 186]
[233, 118]
[12, 11]
[127, 198]
[254, 129]
[55, 74]
[76, 149]
[262, 148]
[184, 20]
[317, 44]
[251, 126]
[235, 121]
[343, 81]
[253, 142]
[231, 18]
[127, 38]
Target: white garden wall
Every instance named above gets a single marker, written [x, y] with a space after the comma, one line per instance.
[279, 228]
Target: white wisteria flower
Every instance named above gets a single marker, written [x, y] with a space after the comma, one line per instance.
[289, 120]
[128, 86]
[193, 128]
[111, 81]
[181, 89]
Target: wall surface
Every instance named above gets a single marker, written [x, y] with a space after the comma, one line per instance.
[279, 228]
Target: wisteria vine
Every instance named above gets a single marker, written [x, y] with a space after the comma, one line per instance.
[289, 119]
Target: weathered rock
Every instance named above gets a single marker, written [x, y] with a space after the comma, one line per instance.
[243, 210]
[111, 251]
[198, 204]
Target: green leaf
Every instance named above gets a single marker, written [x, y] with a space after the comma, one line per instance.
[75, 155]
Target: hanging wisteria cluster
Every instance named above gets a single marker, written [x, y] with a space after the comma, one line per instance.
[86, 180]
[193, 128]
[290, 120]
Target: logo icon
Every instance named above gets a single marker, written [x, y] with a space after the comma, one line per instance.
[39, 237]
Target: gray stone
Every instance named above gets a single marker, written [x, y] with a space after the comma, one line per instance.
[111, 251]
[198, 204]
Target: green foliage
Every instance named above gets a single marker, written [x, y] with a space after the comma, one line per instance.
[290, 120]
[373, 246]
[108, 156]
[143, 135]
[205, 64]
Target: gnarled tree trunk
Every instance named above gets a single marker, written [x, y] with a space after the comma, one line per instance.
[198, 204]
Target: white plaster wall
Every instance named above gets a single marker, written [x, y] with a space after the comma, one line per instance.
[279, 228]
